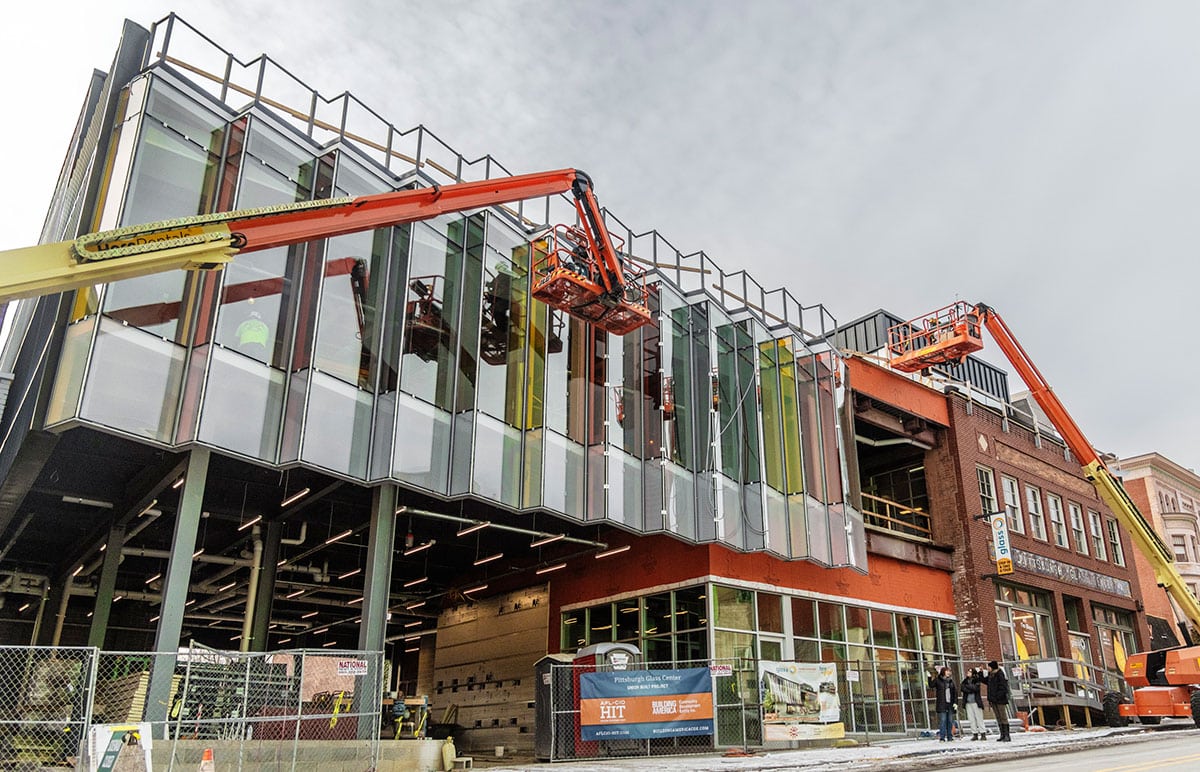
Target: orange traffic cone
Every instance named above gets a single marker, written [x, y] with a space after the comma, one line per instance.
[206, 761]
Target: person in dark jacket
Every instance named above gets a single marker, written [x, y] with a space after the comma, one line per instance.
[946, 695]
[972, 697]
[997, 687]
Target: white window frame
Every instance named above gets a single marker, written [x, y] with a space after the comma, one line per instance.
[1097, 532]
[1078, 527]
[1179, 546]
[1114, 543]
[1058, 523]
[1037, 518]
[1012, 503]
[987, 489]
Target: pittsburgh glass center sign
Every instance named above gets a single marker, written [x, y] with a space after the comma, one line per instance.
[642, 704]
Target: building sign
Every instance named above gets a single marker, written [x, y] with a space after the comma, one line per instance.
[643, 704]
[795, 693]
[1004, 563]
[1065, 572]
[352, 667]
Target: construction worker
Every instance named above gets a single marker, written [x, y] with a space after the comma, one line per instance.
[253, 335]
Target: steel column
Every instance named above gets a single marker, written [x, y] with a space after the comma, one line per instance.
[107, 586]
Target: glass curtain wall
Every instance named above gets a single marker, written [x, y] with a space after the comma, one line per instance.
[409, 352]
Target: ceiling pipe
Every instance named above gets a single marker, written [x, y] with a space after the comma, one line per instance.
[149, 515]
[299, 539]
[203, 557]
[252, 589]
[498, 526]
[891, 441]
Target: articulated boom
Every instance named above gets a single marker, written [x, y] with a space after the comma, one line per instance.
[209, 242]
[1169, 684]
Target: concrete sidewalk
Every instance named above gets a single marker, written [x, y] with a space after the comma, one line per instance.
[896, 754]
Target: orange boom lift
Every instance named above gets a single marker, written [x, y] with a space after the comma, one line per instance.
[1166, 682]
[581, 274]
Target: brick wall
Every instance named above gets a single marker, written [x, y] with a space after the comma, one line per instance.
[980, 436]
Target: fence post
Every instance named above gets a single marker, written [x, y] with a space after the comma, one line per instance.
[299, 708]
[89, 701]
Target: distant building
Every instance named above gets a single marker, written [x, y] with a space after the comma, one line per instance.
[1168, 495]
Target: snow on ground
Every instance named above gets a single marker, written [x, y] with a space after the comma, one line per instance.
[879, 755]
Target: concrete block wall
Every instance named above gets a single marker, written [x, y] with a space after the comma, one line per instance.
[484, 664]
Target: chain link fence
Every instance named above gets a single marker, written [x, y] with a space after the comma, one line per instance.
[45, 704]
[301, 709]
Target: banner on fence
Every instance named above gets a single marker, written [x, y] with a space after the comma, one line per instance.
[795, 693]
[643, 704]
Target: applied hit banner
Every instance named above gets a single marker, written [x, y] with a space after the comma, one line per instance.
[640, 704]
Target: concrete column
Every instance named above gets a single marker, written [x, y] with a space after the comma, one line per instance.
[175, 585]
[265, 593]
[377, 590]
[108, 585]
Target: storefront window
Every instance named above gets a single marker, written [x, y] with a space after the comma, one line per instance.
[1024, 618]
[734, 607]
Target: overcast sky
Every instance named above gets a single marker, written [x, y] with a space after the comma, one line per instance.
[1043, 157]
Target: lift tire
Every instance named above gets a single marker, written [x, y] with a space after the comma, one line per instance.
[1150, 720]
[1196, 708]
[1112, 710]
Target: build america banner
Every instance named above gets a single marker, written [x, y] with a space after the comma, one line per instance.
[799, 693]
[641, 704]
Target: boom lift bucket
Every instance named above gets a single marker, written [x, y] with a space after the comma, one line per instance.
[569, 277]
[946, 335]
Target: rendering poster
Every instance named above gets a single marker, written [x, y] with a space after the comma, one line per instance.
[642, 704]
[797, 693]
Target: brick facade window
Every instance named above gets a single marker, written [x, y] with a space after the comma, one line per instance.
[1098, 548]
[1058, 523]
[1114, 543]
[1077, 528]
[1037, 521]
[1012, 504]
[987, 490]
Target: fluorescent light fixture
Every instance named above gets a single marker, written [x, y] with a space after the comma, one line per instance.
[290, 500]
[281, 564]
[295, 594]
[613, 551]
[103, 547]
[236, 638]
[420, 547]
[414, 624]
[548, 569]
[119, 597]
[88, 502]
[413, 637]
[412, 606]
[225, 587]
[177, 484]
[190, 602]
[309, 615]
[249, 522]
[154, 619]
[27, 605]
[340, 536]
[154, 578]
[89, 615]
[197, 553]
[548, 540]
[75, 573]
[282, 641]
[413, 650]
[349, 574]
[476, 588]
[328, 644]
[415, 582]
[148, 509]
[473, 528]
[489, 558]
[400, 510]
[359, 599]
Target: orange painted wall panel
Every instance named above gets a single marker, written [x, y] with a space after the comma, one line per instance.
[897, 390]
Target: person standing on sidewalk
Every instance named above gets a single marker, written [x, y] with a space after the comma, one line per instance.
[971, 688]
[946, 693]
[998, 693]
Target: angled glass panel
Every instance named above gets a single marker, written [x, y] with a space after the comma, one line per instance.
[133, 382]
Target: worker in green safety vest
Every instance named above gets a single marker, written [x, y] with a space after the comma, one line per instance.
[252, 336]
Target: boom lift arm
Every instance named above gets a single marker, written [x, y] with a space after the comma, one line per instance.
[209, 242]
[951, 333]
[1166, 682]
